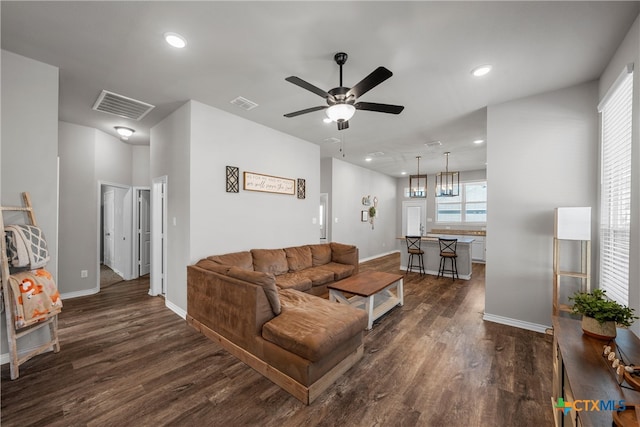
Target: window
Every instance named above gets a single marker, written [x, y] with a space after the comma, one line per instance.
[615, 188]
[470, 206]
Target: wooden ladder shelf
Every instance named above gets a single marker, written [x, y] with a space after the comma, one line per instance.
[12, 333]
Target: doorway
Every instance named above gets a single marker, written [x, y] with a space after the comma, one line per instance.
[116, 251]
[143, 231]
[414, 214]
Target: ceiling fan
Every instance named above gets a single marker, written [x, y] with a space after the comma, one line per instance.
[342, 102]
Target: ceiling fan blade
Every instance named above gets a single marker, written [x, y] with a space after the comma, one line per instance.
[308, 110]
[343, 125]
[381, 108]
[308, 86]
[378, 75]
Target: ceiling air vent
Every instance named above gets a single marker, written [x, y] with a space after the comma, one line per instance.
[433, 144]
[129, 108]
[244, 103]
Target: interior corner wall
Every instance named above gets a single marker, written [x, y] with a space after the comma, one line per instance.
[350, 184]
[29, 148]
[542, 153]
[224, 222]
[169, 153]
[629, 52]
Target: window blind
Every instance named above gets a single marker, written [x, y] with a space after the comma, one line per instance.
[615, 191]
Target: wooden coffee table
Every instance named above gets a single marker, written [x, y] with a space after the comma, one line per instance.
[371, 291]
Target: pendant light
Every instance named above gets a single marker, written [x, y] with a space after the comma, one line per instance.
[418, 183]
[447, 183]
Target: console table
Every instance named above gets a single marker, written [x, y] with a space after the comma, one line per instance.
[581, 372]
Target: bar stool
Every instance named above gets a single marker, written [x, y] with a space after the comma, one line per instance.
[448, 252]
[413, 248]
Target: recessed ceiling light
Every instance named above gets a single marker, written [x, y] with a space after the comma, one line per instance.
[478, 141]
[124, 132]
[175, 40]
[367, 159]
[403, 173]
[481, 70]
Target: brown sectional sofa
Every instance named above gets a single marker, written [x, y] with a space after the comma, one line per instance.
[263, 307]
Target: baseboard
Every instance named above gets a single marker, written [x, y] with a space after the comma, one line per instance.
[76, 294]
[378, 256]
[535, 327]
[177, 310]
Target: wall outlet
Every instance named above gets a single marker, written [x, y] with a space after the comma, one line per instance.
[84, 274]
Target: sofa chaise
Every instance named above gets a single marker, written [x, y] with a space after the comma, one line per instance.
[264, 307]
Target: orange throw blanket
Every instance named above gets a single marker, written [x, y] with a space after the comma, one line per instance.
[36, 297]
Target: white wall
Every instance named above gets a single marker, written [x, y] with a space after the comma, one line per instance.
[170, 141]
[192, 147]
[87, 157]
[629, 52]
[140, 173]
[29, 152]
[350, 184]
[542, 153]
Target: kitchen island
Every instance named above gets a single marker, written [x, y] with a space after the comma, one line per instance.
[431, 249]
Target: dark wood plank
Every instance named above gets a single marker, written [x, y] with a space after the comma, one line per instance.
[126, 359]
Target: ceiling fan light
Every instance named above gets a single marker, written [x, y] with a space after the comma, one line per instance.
[341, 112]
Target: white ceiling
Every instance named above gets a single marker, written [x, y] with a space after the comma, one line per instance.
[248, 48]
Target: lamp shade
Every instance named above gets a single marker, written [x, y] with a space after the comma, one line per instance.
[341, 112]
[573, 223]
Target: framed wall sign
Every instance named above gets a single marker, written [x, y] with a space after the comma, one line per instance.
[268, 184]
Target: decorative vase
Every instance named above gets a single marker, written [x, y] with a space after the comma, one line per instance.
[595, 329]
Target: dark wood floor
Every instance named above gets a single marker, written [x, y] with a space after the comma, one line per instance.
[126, 359]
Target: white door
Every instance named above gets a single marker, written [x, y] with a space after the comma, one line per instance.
[108, 206]
[324, 202]
[414, 218]
[144, 232]
[158, 236]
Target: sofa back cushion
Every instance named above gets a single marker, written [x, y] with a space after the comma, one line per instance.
[298, 258]
[344, 254]
[320, 254]
[266, 280]
[238, 259]
[272, 261]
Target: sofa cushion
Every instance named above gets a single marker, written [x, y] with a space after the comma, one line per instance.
[298, 258]
[340, 271]
[296, 280]
[344, 254]
[266, 280]
[239, 259]
[312, 327]
[318, 275]
[272, 261]
[320, 254]
[207, 264]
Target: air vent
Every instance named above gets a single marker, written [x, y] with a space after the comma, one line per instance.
[433, 144]
[376, 154]
[332, 140]
[119, 105]
[244, 103]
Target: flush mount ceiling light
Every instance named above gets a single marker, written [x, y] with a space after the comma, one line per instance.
[447, 183]
[124, 132]
[482, 70]
[175, 40]
[478, 141]
[341, 112]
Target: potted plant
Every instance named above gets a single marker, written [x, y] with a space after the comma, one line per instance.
[600, 315]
